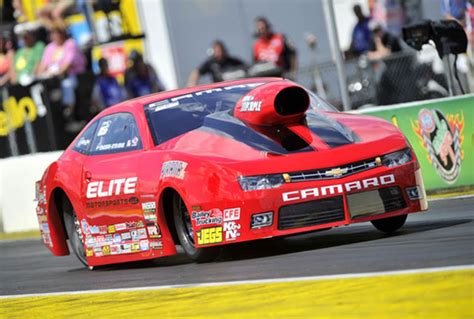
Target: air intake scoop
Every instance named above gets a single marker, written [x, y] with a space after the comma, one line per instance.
[273, 104]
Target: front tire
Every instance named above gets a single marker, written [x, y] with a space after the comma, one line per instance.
[184, 230]
[74, 233]
[390, 224]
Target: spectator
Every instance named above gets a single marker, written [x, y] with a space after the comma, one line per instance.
[454, 9]
[382, 43]
[274, 47]
[361, 34]
[28, 58]
[54, 12]
[7, 54]
[107, 90]
[216, 65]
[141, 78]
[63, 58]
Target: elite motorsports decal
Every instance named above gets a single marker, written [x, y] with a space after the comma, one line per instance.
[442, 137]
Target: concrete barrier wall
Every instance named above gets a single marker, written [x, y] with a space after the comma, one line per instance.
[17, 190]
[441, 132]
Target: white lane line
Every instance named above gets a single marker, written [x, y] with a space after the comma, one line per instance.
[452, 197]
[256, 281]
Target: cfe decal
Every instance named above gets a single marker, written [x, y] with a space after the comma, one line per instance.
[115, 187]
[442, 137]
[173, 169]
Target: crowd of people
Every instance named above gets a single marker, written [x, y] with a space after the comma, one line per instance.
[43, 49]
[36, 51]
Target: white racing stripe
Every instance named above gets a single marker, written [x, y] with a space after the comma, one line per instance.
[256, 281]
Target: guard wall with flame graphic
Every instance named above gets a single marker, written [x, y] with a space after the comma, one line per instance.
[441, 133]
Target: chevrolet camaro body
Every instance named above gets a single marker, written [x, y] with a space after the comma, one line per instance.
[220, 164]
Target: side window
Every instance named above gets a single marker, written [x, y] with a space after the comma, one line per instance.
[116, 133]
[84, 142]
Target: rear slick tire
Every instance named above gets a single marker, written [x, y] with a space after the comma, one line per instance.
[74, 233]
[184, 230]
[390, 224]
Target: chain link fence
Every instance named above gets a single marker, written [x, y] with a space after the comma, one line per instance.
[399, 78]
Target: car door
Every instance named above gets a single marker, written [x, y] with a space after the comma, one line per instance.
[111, 188]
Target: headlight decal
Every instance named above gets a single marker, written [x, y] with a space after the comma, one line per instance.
[397, 158]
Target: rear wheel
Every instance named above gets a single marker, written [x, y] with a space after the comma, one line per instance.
[184, 230]
[390, 224]
[74, 233]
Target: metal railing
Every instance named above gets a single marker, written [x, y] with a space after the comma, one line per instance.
[397, 78]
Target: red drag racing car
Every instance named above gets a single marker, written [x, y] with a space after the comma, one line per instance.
[220, 164]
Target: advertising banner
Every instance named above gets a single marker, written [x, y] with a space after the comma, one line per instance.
[441, 133]
[30, 119]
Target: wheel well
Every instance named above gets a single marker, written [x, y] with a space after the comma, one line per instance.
[58, 197]
[167, 198]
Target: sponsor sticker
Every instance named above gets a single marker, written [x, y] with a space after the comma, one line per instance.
[106, 250]
[142, 233]
[120, 227]
[98, 251]
[126, 248]
[134, 234]
[117, 238]
[144, 244]
[249, 104]
[231, 214]
[94, 230]
[126, 236]
[104, 128]
[114, 187]
[133, 225]
[90, 241]
[211, 217]
[84, 226]
[231, 230]
[173, 169]
[210, 235]
[156, 244]
[135, 247]
[111, 229]
[103, 229]
[115, 250]
[89, 252]
[154, 232]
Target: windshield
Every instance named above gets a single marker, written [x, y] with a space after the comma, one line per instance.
[181, 114]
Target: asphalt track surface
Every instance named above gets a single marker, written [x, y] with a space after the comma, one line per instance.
[441, 237]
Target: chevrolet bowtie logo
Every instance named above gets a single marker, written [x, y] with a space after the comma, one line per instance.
[336, 172]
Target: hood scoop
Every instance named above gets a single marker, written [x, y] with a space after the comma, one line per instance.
[273, 104]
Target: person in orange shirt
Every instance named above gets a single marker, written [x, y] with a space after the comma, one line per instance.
[275, 48]
[7, 55]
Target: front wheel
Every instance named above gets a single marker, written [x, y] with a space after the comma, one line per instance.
[184, 230]
[390, 224]
[74, 233]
